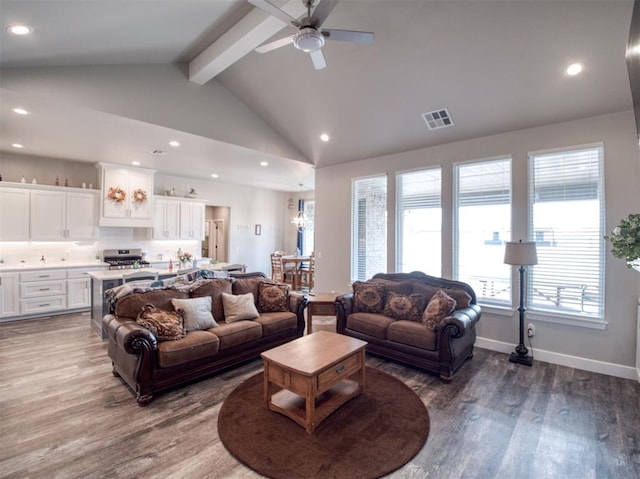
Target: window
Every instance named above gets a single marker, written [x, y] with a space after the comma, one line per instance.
[482, 225]
[567, 221]
[419, 217]
[305, 241]
[368, 227]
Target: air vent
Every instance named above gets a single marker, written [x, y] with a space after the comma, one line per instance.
[437, 119]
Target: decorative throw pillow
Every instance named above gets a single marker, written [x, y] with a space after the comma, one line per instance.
[273, 298]
[239, 306]
[400, 306]
[196, 313]
[368, 297]
[165, 325]
[439, 307]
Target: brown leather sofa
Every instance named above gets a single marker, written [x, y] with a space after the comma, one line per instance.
[149, 366]
[442, 350]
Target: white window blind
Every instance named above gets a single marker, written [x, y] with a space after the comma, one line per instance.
[482, 225]
[419, 218]
[368, 227]
[567, 223]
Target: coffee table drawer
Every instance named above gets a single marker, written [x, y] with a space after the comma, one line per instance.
[341, 370]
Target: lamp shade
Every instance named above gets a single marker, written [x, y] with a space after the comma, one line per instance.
[521, 253]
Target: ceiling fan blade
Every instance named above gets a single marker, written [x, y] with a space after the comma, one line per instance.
[349, 36]
[323, 10]
[318, 60]
[276, 12]
[267, 47]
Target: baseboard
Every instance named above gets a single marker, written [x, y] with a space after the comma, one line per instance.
[610, 369]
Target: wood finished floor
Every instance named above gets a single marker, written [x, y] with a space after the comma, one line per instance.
[63, 415]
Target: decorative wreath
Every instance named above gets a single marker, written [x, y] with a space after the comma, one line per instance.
[139, 196]
[117, 194]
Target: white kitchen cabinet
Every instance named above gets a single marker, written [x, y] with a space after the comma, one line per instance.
[78, 290]
[43, 291]
[62, 215]
[14, 214]
[9, 295]
[126, 196]
[166, 224]
[192, 221]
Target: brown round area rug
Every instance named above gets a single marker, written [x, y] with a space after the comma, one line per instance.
[368, 437]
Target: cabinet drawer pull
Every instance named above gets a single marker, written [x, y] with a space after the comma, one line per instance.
[44, 289]
[43, 305]
[43, 276]
[340, 368]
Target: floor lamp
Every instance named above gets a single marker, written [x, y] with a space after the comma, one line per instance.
[521, 254]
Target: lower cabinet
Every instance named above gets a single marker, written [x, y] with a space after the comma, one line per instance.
[78, 290]
[43, 291]
[9, 295]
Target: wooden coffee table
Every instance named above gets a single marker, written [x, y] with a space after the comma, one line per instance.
[315, 375]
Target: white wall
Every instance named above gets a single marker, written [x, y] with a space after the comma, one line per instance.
[616, 344]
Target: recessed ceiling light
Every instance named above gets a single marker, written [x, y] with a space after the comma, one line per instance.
[135, 163]
[20, 111]
[635, 50]
[19, 29]
[324, 137]
[574, 69]
[174, 143]
[17, 145]
[213, 175]
[264, 163]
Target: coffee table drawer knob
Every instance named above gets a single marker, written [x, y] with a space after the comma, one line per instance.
[340, 368]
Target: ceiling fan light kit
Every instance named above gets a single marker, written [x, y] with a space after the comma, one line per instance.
[309, 37]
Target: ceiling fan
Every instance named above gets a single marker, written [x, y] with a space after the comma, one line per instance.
[310, 37]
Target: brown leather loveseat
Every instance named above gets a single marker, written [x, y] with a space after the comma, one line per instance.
[149, 365]
[389, 312]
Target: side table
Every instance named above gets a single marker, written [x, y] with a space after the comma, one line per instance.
[320, 304]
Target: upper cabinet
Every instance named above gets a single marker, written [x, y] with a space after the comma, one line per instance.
[14, 214]
[126, 196]
[59, 216]
[178, 218]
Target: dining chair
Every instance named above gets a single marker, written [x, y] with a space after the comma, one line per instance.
[307, 273]
[278, 274]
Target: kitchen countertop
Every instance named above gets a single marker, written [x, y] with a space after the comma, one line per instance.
[117, 273]
[37, 265]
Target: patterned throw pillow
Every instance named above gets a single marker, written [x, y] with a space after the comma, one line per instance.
[273, 298]
[368, 297]
[439, 307]
[165, 325]
[400, 306]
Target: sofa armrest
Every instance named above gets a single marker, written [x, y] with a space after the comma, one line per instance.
[344, 307]
[129, 335]
[458, 322]
[297, 303]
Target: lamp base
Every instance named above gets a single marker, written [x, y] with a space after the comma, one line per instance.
[521, 359]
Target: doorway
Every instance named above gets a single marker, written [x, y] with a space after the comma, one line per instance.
[216, 240]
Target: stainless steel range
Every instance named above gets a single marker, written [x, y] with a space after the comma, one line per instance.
[124, 258]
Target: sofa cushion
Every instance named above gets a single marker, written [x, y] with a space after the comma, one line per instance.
[439, 307]
[272, 297]
[462, 298]
[165, 325]
[196, 313]
[233, 334]
[370, 323]
[237, 307]
[276, 322]
[368, 297]
[412, 334]
[400, 306]
[214, 288]
[195, 345]
[247, 285]
[130, 305]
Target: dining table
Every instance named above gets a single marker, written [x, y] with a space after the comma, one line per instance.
[295, 263]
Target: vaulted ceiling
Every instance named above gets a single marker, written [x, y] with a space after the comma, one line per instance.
[108, 80]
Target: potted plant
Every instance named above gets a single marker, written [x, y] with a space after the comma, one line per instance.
[625, 240]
